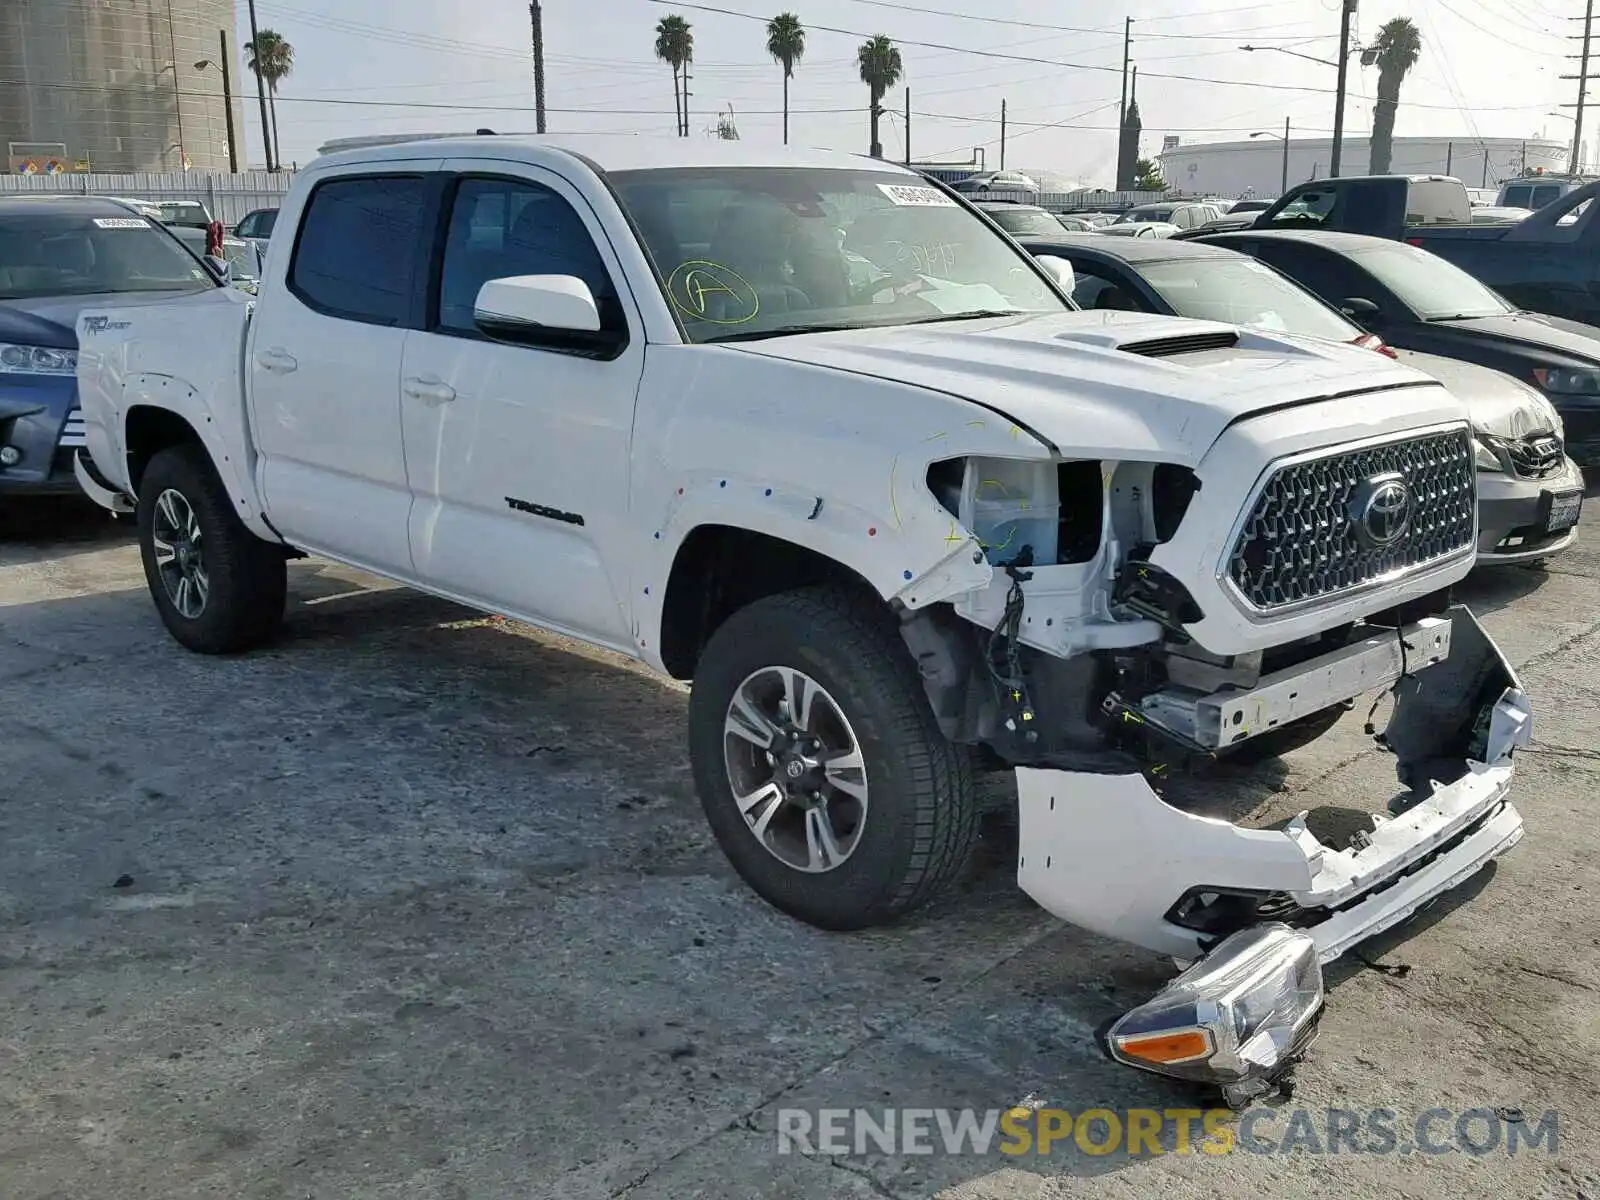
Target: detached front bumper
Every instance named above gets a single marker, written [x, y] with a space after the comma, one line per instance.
[1108, 854]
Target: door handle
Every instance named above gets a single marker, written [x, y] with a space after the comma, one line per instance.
[433, 391]
[277, 359]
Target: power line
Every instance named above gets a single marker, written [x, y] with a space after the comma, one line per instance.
[945, 12]
[1254, 85]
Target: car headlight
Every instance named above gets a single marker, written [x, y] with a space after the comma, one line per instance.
[1485, 455]
[37, 360]
[1238, 1018]
[1568, 381]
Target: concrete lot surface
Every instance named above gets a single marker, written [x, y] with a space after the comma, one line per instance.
[419, 905]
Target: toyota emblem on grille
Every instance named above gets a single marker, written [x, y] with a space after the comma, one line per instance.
[1382, 509]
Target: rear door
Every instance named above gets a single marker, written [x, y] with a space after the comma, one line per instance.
[324, 364]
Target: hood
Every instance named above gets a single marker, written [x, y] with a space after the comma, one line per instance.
[1497, 403]
[53, 320]
[1153, 388]
[1534, 331]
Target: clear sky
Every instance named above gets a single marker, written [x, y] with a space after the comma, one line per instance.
[1489, 68]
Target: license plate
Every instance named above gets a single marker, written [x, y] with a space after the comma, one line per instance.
[1564, 511]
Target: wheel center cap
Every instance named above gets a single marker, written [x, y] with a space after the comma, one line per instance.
[794, 768]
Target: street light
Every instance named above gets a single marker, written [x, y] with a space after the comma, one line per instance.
[1283, 187]
[227, 97]
[1308, 57]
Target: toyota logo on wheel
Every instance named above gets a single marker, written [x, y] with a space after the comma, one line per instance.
[1382, 509]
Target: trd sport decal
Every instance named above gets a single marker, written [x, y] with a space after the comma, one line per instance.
[542, 510]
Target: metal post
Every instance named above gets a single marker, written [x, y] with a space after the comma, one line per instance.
[177, 87]
[537, 17]
[261, 93]
[1449, 156]
[227, 103]
[686, 94]
[1346, 11]
[1283, 188]
[908, 127]
[1127, 49]
[1002, 135]
[1583, 83]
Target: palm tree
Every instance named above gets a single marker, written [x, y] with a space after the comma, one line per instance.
[879, 60]
[675, 47]
[786, 42]
[272, 58]
[1397, 49]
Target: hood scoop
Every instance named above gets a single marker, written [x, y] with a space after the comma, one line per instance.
[1189, 343]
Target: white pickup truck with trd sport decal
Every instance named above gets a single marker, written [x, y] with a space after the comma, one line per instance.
[815, 435]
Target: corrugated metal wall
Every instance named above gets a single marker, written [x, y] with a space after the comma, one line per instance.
[228, 197]
[115, 81]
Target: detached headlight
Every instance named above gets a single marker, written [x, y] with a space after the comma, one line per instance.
[1566, 381]
[37, 360]
[1238, 1018]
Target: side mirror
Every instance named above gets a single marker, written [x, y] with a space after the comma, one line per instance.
[1059, 269]
[1361, 310]
[530, 309]
[221, 268]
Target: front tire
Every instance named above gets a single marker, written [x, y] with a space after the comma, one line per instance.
[218, 587]
[821, 769]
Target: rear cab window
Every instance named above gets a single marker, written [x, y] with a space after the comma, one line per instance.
[358, 247]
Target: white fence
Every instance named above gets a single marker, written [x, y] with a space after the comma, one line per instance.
[228, 197]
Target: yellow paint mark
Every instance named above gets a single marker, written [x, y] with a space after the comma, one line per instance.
[693, 282]
[1016, 431]
[936, 437]
[955, 535]
[977, 424]
[893, 507]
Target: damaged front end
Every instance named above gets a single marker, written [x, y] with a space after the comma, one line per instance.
[1147, 619]
[1268, 906]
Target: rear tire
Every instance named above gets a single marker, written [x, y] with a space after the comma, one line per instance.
[218, 587]
[904, 824]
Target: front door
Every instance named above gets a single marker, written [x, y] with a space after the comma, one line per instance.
[324, 367]
[518, 456]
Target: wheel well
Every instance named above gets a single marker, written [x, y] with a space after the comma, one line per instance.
[720, 569]
[149, 430]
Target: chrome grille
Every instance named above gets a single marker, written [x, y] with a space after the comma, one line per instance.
[1302, 541]
[73, 433]
[1535, 457]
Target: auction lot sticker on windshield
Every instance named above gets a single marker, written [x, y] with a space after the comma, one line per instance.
[121, 223]
[906, 193]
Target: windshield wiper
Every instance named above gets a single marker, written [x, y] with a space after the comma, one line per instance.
[753, 335]
[975, 315]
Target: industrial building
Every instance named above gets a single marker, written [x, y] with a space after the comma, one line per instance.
[118, 85]
[1256, 166]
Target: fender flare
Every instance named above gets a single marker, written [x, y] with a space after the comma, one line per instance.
[151, 389]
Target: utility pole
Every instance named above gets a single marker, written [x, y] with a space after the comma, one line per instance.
[686, 93]
[226, 64]
[1573, 164]
[1002, 135]
[537, 18]
[1347, 10]
[1283, 188]
[261, 93]
[908, 127]
[1127, 50]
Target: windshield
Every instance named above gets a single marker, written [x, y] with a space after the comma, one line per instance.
[1434, 289]
[1144, 214]
[1024, 220]
[78, 254]
[1244, 292]
[761, 251]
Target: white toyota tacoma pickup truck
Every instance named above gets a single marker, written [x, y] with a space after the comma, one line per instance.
[815, 435]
